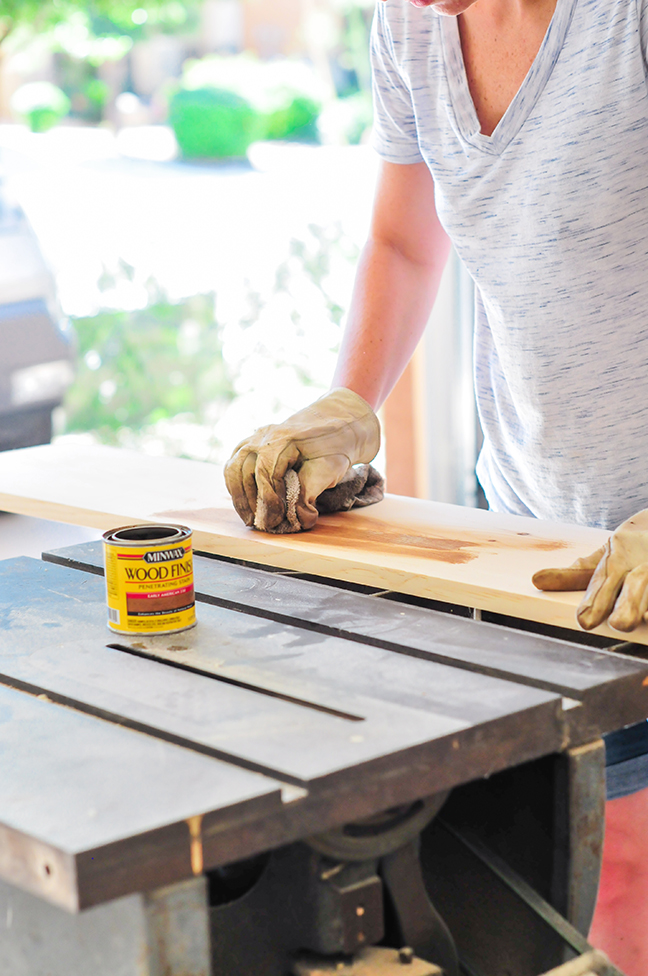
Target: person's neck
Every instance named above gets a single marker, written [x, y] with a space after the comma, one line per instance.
[500, 40]
[509, 13]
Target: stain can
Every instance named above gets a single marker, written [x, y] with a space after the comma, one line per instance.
[149, 579]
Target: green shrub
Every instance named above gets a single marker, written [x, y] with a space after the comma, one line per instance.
[285, 95]
[213, 123]
[41, 104]
[297, 119]
[291, 98]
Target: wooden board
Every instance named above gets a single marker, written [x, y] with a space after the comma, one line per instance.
[437, 551]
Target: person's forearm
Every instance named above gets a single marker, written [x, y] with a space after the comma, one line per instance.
[396, 283]
[391, 304]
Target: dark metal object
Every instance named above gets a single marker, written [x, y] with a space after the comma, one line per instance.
[303, 900]
[422, 726]
[544, 822]
[108, 807]
[579, 828]
[417, 718]
[162, 933]
[553, 919]
[608, 686]
[381, 834]
[573, 940]
[357, 731]
[420, 925]
[300, 901]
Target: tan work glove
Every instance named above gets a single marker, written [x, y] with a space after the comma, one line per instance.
[616, 577]
[320, 443]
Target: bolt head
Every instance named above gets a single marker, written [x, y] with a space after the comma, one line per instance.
[405, 955]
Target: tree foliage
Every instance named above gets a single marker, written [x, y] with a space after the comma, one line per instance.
[106, 17]
[141, 366]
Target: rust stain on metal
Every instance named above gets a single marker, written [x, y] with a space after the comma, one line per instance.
[195, 833]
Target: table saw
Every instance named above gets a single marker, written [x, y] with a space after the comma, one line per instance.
[324, 776]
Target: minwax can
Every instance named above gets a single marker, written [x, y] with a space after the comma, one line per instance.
[149, 579]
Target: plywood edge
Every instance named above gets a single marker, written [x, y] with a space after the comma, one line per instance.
[55, 512]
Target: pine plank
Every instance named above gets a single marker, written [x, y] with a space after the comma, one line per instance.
[428, 549]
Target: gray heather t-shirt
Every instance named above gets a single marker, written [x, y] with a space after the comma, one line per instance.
[550, 216]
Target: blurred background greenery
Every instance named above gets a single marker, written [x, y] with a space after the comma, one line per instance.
[205, 80]
[106, 60]
[171, 377]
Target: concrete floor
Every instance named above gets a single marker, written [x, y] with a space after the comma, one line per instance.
[21, 535]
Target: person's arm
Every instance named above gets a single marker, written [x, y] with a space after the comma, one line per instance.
[396, 283]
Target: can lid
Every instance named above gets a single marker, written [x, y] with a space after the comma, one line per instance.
[137, 535]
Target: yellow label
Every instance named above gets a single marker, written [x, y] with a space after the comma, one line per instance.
[150, 588]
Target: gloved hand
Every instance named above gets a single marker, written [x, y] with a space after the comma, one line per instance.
[617, 575]
[320, 443]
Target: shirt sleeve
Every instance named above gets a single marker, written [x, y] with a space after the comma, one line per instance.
[394, 135]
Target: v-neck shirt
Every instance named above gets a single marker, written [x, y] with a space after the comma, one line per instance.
[550, 216]
[526, 96]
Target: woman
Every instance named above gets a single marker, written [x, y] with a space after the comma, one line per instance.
[517, 130]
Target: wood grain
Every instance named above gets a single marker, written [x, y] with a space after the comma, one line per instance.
[437, 551]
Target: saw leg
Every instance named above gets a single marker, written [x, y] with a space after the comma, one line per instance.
[421, 926]
[165, 931]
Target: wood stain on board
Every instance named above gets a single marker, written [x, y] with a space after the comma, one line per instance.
[376, 535]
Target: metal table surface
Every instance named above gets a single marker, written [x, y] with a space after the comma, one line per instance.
[293, 707]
